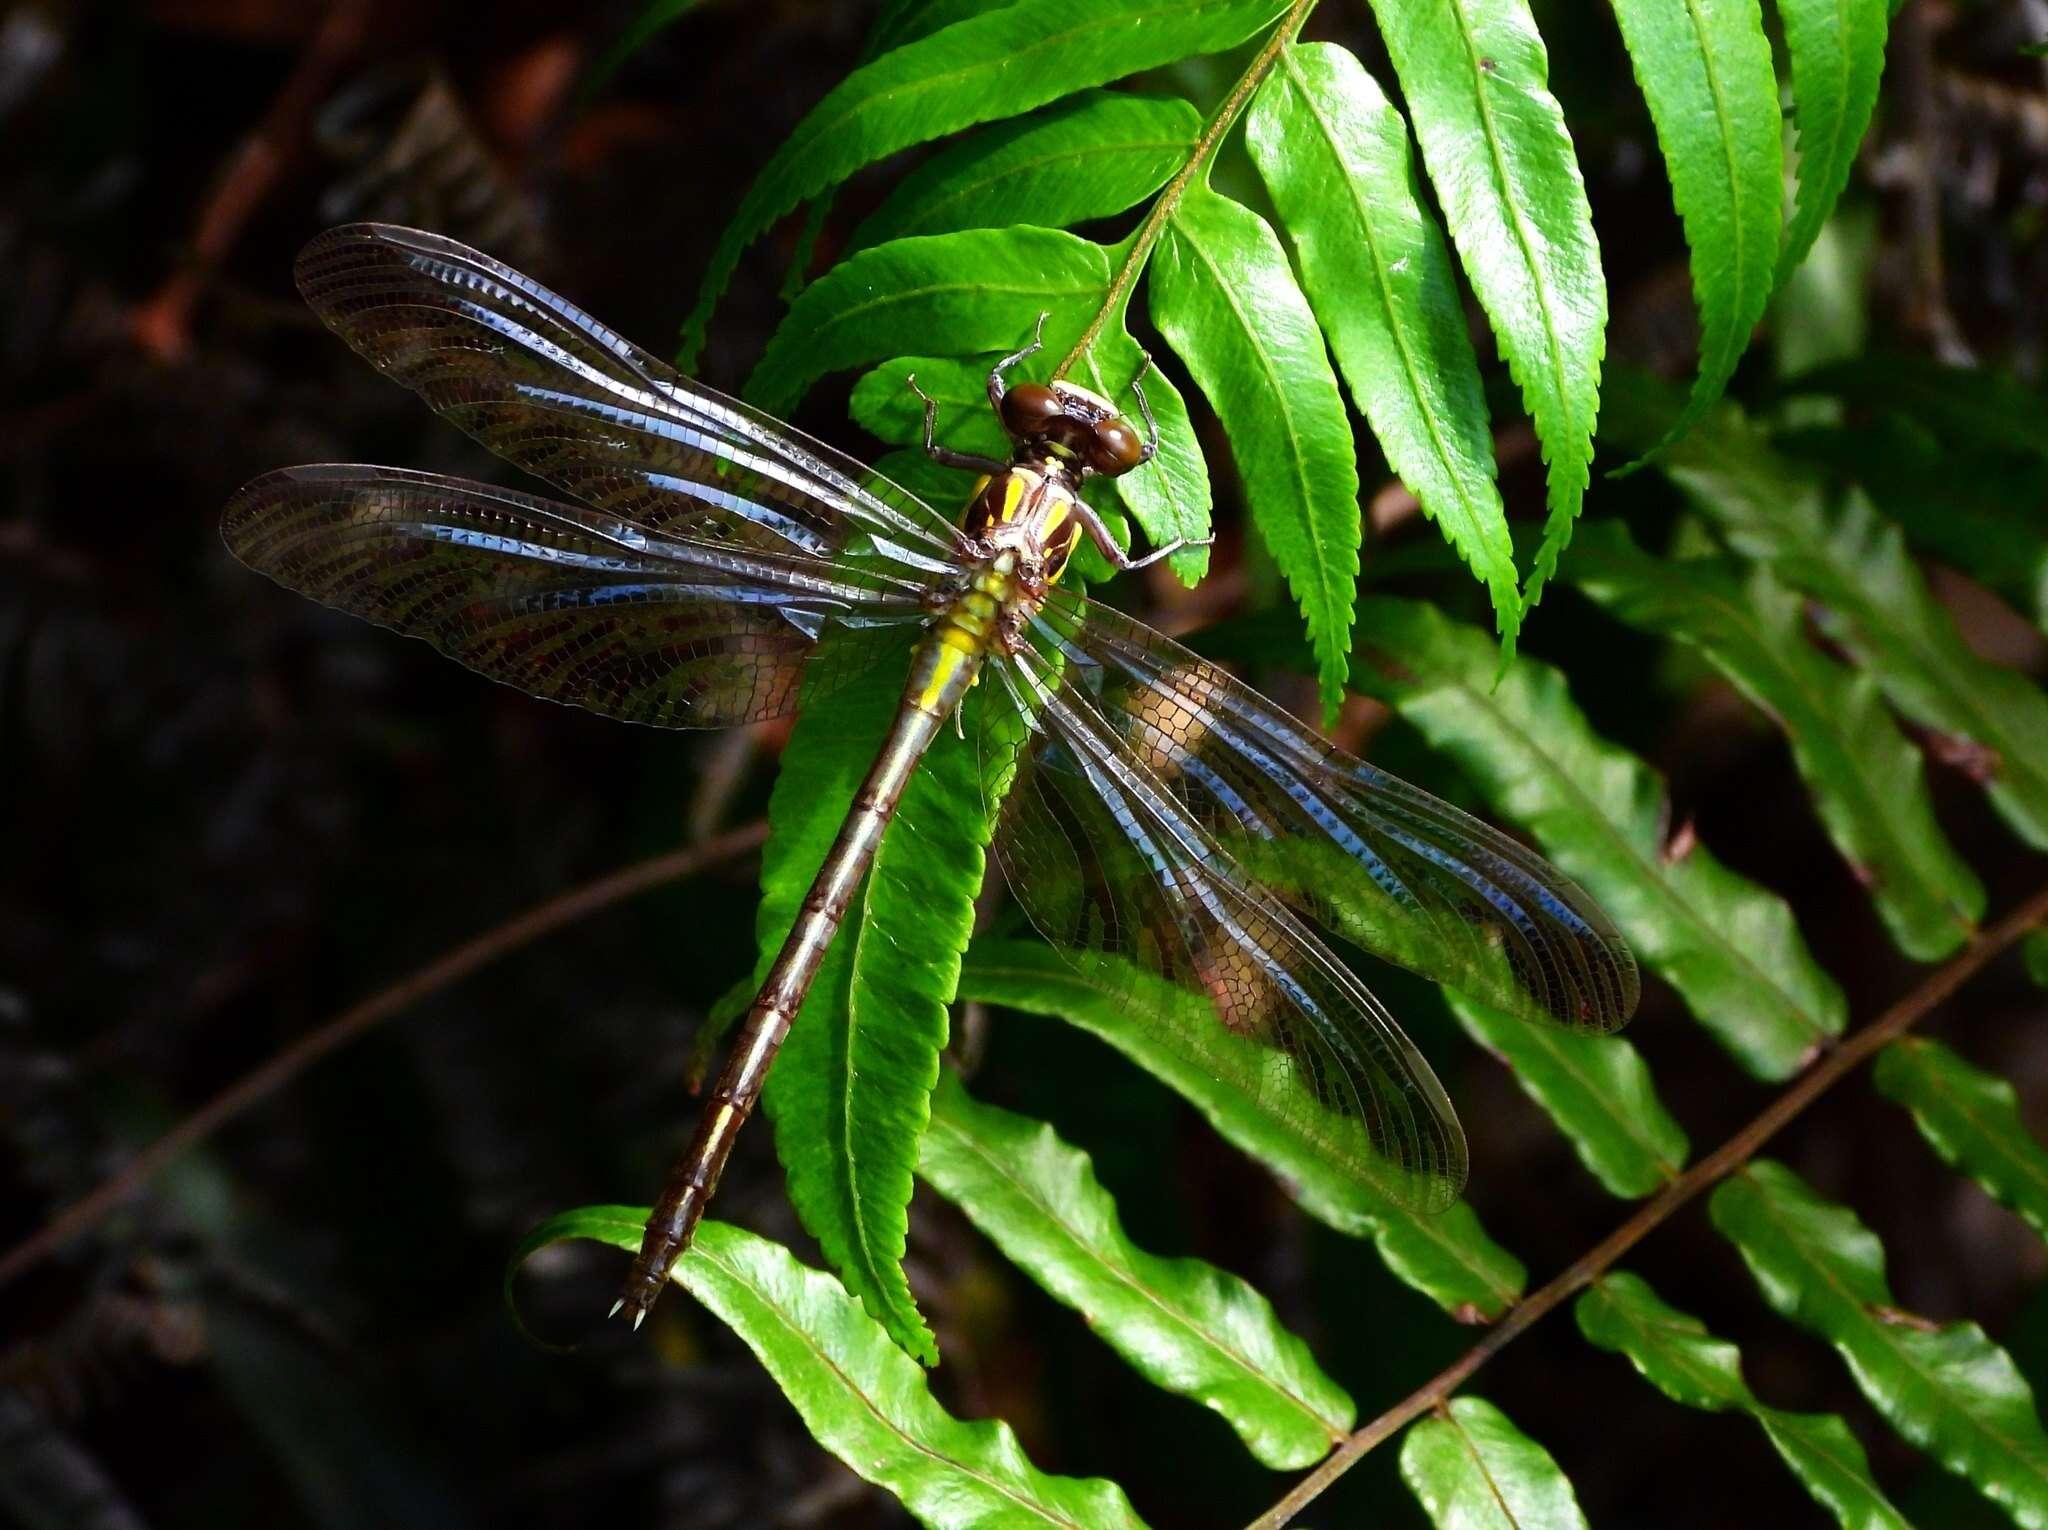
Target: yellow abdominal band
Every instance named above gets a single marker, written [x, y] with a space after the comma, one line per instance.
[965, 632]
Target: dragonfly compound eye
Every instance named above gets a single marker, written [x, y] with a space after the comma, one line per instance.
[1029, 408]
[1117, 447]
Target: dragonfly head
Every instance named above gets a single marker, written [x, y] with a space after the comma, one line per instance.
[1074, 426]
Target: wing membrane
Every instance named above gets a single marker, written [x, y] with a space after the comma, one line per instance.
[565, 603]
[1106, 860]
[1382, 863]
[551, 390]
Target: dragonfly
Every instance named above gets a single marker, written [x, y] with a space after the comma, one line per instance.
[1154, 817]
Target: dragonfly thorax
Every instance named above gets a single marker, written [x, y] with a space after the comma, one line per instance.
[1026, 511]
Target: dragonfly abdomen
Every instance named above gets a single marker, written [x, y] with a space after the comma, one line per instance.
[945, 666]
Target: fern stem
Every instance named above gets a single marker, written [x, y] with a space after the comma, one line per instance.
[281, 1067]
[1213, 134]
[1731, 1155]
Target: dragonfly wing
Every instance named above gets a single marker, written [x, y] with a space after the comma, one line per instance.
[551, 390]
[1382, 863]
[1108, 862]
[564, 603]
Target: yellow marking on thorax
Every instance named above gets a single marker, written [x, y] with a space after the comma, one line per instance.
[1013, 495]
[1062, 507]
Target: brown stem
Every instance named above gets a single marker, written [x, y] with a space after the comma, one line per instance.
[284, 1066]
[1729, 1156]
[160, 324]
[1163, 205]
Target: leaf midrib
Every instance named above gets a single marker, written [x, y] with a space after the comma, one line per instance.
[1325, 640]
[853, 1390]
[963, 189]
[1743, 625]
[1121, 20]
[1395, 327]
[1547, 1039]
[1125, 1277]
[1736, 1395]
[1392, 1210]
[1728, 165]
[1932, 1080]
[1504, 183]
[1612, 831]
[1882, 1333]
[1947, 680]
[1805, 210]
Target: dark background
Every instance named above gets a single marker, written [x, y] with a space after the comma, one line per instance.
[226, 814]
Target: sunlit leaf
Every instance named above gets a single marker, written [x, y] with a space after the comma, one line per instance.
[978, 292]
[850, 1092]
[1674, 1351]
[1224, 297]
[859, 1395]
[1973, 1120]
[1096, 154]
[1598, 1091]
[1334, 154]
[1946, 1387]
[1865, 777]
[898, 22]
[1474, 1470]
[1475, 77]
[1183, 1324]
[1836, 49]
[997, 64]
[1705, 69]
[1448, 1258]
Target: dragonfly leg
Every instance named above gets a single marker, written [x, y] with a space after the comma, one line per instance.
[1145, 408]
[1118, 558]
[996, 386]
[945, 455]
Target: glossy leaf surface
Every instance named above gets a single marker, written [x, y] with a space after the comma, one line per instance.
[1877, 606]
[1972, 1118]
[1946, 1387]
[1474, 1470]
[1224, 296]
[1091, 156]
[978, 292]
[1334, 154]
[1183, 1324]
[859, 1395]
[1705, 69]
[1448, 1258]
[1475, 76]
[997, 64]
[1596, 1088]
[1836, 50]
[1728, 946]
[1676, 1354]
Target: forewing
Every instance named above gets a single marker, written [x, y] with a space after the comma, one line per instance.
[551, 390]
[565, 603]
[1382, 863]
[1114, 870]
